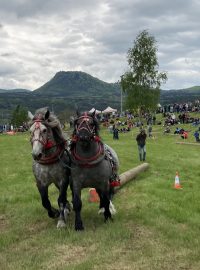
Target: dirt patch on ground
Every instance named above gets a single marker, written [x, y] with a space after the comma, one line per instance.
[65, 255]
[4, 224]
[37, 227]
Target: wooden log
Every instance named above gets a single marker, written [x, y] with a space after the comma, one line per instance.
[131, 174]
[188, 143]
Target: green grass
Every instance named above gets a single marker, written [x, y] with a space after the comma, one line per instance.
[156, 227]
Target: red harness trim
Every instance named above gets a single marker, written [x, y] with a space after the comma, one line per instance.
[90, 161]
[53, 157]
[49, 144]
[115, 183]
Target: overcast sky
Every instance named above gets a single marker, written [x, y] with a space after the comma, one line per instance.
[42, 37]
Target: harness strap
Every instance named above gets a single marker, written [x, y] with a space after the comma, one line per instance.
[91, 161]
[52, 158]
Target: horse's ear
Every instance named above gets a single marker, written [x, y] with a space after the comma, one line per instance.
[93, 114]
[30, 115]
[47, 115]
[78, 113]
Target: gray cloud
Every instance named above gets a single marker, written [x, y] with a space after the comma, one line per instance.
[40, 38]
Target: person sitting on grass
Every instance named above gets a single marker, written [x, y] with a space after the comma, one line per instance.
[177, 131]
[196, 135]
[184, 135]
[167, 129]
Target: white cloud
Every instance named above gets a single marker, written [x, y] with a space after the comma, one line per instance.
[40, 38]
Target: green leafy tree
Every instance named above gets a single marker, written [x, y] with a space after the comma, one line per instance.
[141, 83]
[19, 116]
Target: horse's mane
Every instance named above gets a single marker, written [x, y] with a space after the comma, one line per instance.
[50, 121]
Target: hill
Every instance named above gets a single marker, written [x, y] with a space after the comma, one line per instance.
[81, 90]
[14, 91]
[180, 96]
[71, 89]
[65, 91]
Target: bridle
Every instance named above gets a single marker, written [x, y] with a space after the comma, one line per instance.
[46, 142]
[85, 125]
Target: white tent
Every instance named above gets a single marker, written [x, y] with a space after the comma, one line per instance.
[96, 111]
[109, 110]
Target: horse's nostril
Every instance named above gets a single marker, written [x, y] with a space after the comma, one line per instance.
[39, 156]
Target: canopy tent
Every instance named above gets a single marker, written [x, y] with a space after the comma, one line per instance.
[96, 111]
[109, 110]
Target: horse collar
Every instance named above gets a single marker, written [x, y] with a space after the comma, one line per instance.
[91, 161]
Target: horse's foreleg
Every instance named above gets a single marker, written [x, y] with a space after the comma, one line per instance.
[62, 202]
[77, 205]
[52, 212]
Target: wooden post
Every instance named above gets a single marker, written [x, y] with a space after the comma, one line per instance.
[188, 143]
[131, 174]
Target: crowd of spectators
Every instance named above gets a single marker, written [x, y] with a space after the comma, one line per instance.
[173, 115]
[180, 107]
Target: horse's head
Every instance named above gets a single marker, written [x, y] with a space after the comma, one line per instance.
[41, 135]
[86, 126]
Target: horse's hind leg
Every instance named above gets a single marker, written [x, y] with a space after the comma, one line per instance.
[52, 212]
[106, 204]
[102, 203]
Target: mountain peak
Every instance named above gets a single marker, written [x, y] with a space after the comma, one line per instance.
[71, 82]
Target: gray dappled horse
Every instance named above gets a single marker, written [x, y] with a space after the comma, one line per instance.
[95, 165]
[49, 157]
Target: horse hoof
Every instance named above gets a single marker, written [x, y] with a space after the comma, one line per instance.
[112, 209]
[54, 213]
[79, 227]
[108, 218]
[61, 224]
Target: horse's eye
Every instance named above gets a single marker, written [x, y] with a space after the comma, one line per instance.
[44, 131]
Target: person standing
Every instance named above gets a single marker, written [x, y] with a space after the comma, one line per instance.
[196, 135]
[141, 141]
[149, 131]
[115, 133]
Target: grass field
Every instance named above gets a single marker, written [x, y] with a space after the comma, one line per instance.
[156, 227]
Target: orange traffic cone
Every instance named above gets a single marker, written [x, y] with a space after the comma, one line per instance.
[177, 182]
[93, 195]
